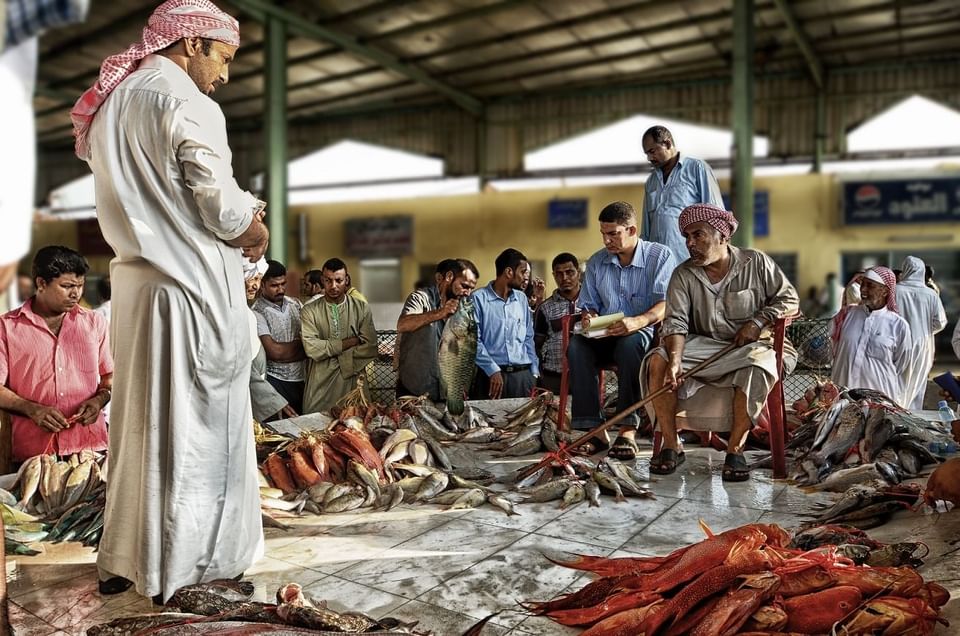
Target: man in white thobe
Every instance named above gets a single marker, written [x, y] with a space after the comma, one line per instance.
[920, 306]
[872, 341]
[182, 499]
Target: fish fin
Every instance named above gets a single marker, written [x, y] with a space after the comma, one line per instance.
[706, 529]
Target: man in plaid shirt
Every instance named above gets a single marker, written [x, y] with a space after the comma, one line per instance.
[547, 334]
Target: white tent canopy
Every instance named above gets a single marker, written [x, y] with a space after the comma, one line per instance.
[619, 144]
[915, 122]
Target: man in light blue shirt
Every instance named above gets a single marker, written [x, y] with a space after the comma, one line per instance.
[628, 275]
[506, 354]
[675, 183]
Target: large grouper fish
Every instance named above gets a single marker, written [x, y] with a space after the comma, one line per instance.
[458, 355]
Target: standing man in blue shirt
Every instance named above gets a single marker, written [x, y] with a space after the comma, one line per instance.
[506, 354]
[628, 275]
[675, 183]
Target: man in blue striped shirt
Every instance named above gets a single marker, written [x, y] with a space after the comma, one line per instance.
[676, 182]
[628, 275]
[505, 351]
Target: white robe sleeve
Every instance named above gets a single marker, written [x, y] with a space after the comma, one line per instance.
[200, 139]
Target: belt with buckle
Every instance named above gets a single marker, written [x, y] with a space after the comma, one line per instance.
[513, 368]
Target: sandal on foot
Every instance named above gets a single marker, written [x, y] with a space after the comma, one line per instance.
[624, 448]
[667, 461]
[735, 468]
[589, 447]
[114, 585]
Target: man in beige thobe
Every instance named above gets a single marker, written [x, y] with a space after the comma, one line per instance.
[721, 294]
[339, 339]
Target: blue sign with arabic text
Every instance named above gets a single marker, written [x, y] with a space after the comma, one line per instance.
[761, 211]
[925, 200]
[567, 213]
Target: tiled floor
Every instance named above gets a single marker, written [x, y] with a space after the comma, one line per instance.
[447, 569]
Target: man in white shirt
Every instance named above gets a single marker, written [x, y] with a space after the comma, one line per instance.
[872, 341]
[183, 503]
[920, 306]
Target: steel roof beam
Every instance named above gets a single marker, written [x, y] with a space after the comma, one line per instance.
[803, 42]
[351, 44]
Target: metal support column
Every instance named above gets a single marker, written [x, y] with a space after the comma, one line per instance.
[275, 113]
[820, 136]
[742, 186]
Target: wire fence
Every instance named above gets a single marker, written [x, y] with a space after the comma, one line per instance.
[811, 338]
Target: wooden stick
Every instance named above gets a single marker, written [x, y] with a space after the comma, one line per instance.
[619, 417]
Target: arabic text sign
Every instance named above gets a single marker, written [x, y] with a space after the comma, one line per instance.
[930, 200]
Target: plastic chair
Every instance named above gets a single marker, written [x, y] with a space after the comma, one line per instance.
[775, 406]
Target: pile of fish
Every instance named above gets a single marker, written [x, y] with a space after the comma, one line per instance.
[55, 500]
[747, 580]
[379, 457]
[224, 607]
[867, 505]
[860, 436]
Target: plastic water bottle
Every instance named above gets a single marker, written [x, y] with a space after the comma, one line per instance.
[946, 413]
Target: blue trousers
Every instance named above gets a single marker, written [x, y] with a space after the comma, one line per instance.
[587, 355]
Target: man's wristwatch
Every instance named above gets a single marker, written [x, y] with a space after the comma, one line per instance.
[759, 323]
[105, 391]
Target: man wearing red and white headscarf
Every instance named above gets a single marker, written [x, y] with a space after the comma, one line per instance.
[721, 294]
[872, 341]
[182, 500]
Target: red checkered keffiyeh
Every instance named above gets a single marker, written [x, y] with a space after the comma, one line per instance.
[172, 21]
[885, 276]
[718, 218]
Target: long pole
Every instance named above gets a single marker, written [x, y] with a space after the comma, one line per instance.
[619, 417]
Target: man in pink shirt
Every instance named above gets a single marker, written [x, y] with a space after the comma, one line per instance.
[55, 363]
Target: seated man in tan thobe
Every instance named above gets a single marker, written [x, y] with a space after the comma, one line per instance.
[721, 294]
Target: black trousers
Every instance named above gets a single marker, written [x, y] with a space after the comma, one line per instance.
[292, 392]
[516, 384]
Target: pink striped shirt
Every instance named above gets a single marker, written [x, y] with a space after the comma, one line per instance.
[54, 371]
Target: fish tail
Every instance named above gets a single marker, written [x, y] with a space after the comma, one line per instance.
[455, 404]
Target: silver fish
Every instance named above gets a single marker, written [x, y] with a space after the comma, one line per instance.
[432, 485]
[526, 447]
[846, 432]
[548, 435]
[29, 478]
[841, 480]
[457, 357]
[434, 428]
[548, 492]
[362, 475]
[350, 501]
[470, 499]
[410, 484]
[531, 479]
[827, 422]
[418, 451]
[317, 491]
[460, 482]
[607, 481]
[502, 503]
[622, 475]
[336, 491]
[480, 435]
[574, 495]
[391, 496]
[448, 497]
[400, 436]
[415, 469]
[592, 490]
[439, 455]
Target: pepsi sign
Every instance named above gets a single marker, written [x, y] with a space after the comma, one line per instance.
[927, 200]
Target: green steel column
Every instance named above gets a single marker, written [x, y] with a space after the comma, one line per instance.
[275, 111]
[742, 186]
[820, 139]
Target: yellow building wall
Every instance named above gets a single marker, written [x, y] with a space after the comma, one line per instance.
[805, 219]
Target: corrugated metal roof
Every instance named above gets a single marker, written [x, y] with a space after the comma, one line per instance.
[497, 49]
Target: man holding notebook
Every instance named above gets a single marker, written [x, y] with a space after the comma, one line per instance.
[627, 276]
